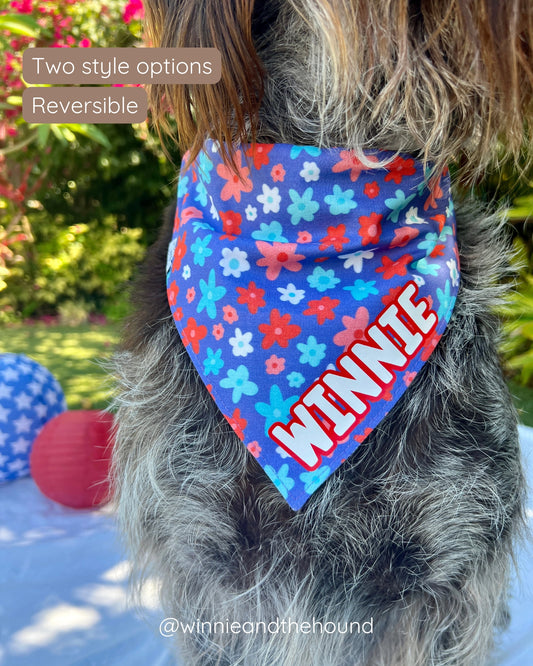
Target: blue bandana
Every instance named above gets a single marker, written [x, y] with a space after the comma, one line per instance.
[309, 290]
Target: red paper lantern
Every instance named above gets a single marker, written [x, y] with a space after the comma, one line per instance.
[71, 456]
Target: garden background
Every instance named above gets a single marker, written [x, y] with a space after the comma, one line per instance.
[79, 204]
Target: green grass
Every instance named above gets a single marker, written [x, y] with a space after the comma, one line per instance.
[72, 354]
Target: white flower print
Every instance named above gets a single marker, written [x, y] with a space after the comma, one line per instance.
[454, 273]
[411, 217]
[251, 212]
[355, 259]
[291, 294]
[240, 343]
[310, 172]
[270, 199]
[234, 262]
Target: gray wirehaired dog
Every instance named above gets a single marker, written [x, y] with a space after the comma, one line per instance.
[414, 532]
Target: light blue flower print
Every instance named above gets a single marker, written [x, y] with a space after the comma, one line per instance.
[310, 150]
[197, 225]
[201, 250]
[361, 289]
[295, 379]
[446, 301]
[397, 204]
[340, 202]
[239, 381]
[423, 266]
[281, 478]
[429, 244]
[450, 208]
[183, 186]
[201, 193]
[272, 233]
[322, 280]
[314, 479]
[205, 166]
[312, 351]
[210, 295]
[277, 410]
[302, 207]
[213, 363]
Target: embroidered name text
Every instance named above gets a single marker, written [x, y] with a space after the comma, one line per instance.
[338, 401]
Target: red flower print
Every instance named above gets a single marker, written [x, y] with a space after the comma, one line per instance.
[403, 235]
[349, 162]
[231, 225]
[230, 314]
[252, 297]
[178, 314]
[428, 348]
[354, 328]
[259, 152]
[391, 296]
[371, 190]
[173, 292]
[408, 377]
[278, 256]
[437, 251]
[180, 252]
[254, 448]
[323, 309]
[278, 173]
[441, 219]
[398, 168]
[391, 268]
[279, 330]
[361, 438]
[435, 193]
[237, 423]
[218, 331]
[370, 230]
[192, 334]
[304, 237]
[191, 294]
[189, 212]
[274, 365]
[335, 237]
[237, 182]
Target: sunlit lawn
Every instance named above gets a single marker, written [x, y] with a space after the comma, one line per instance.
[72, 354]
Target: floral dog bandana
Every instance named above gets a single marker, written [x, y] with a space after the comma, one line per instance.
[309, 290]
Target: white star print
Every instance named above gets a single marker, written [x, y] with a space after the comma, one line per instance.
[21, 445]
[23, 424]
[23, 401]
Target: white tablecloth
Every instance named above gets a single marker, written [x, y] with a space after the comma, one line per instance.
[63, 588]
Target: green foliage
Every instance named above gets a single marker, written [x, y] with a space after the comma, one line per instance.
[78, 202]
[518, 346]
[87, 262]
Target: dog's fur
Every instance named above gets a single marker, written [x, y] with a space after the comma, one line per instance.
[416, 529]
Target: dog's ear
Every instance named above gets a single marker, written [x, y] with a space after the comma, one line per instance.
[226, 111]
